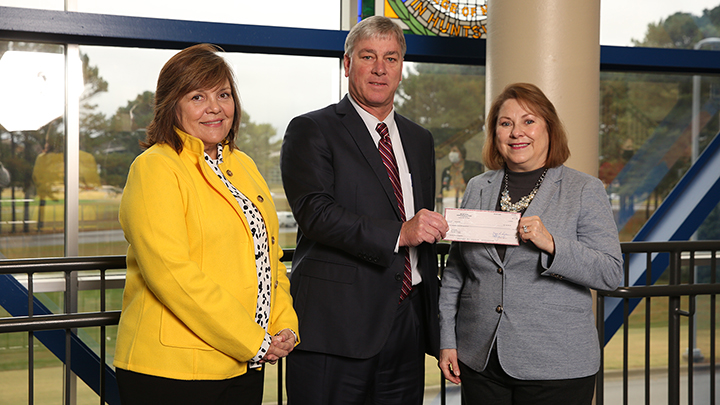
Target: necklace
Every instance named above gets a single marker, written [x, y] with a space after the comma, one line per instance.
[524, 202]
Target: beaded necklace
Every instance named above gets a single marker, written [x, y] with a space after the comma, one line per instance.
[524, 202]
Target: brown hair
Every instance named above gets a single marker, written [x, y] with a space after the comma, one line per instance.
[532, 99]
[374, 27]
[193, 68]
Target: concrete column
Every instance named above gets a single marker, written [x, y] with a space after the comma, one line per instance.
[554, 44]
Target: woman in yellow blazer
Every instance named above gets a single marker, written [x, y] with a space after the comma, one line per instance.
[206, 300]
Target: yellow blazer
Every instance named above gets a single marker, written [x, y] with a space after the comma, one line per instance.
[191, 288]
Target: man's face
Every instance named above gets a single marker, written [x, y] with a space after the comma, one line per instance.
[374, 70]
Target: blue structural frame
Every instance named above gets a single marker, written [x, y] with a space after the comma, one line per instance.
[108, 30]
[677, 218]
[648, 166]
[22, 24]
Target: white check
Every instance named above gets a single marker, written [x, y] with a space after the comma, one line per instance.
[496, 227]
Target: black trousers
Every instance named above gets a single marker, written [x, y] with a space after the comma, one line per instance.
[395, 376]
[493, 386]
[144, 389]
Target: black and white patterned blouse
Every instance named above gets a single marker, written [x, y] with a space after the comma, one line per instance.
[262, 262]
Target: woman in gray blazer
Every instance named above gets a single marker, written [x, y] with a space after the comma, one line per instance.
[516, 322]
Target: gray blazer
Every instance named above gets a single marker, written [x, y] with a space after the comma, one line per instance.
[536, 306]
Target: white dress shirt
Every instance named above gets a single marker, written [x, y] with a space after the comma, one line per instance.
[371, 123]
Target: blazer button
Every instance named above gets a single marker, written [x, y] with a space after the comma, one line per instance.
[272, 240]
[499, 309]
[398, 277]
[228, 172]
[260, 198]
[276, 284]
[500, 270]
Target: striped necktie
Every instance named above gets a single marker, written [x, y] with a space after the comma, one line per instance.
[388, 158]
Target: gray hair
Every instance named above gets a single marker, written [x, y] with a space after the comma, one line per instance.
[374, 27]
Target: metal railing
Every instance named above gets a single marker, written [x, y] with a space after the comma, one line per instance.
[57, 330]
[35, 318]
[679, 280]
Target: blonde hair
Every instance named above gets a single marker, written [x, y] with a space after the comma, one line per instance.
[374, 27]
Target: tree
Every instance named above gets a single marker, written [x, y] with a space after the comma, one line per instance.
[680, 30]
[255, 140]
[449, 100]
[116, 146]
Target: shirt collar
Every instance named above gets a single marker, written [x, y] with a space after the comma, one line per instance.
[369, 119]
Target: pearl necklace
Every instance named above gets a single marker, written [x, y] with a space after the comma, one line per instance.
[524, 202]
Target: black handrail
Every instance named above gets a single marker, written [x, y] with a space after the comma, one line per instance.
[61, 264]
[58, 321]
[674, 291]
[663, 291]
[683, 254]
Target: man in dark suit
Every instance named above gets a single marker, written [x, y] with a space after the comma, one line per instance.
[366, 318]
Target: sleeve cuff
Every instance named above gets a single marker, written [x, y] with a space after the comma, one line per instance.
[264, 347]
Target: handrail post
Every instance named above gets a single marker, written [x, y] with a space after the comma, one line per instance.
[600, 321]
[674, 333]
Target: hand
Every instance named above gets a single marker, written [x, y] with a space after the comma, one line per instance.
[282, 344]
[531, 229]
[448, 363]
[426, 226]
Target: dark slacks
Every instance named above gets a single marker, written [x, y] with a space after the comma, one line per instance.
[394, 376]
[493, 386]
[143, 389]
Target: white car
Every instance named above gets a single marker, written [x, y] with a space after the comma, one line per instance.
[286, 219]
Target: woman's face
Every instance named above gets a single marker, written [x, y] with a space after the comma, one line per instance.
[522, 138]
[207, 114]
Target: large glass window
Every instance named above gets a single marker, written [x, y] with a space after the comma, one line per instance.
[657, 23]
[282, 13]
[32, 138]
[37, 4]
[116, 106]
[647, 137]
[321, 14]
[449, 100]
[114, 121]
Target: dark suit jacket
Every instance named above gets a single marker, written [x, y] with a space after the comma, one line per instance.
[346, 277]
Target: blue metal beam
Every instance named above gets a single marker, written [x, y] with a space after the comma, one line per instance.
[677, 218]
[110, 30]
[658, 60]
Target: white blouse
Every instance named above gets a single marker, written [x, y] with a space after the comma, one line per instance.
[262, 262]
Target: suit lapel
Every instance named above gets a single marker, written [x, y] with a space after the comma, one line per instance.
[545, 194]
[216, 183]
[414, 157]
[358, 131]
[492, 190]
